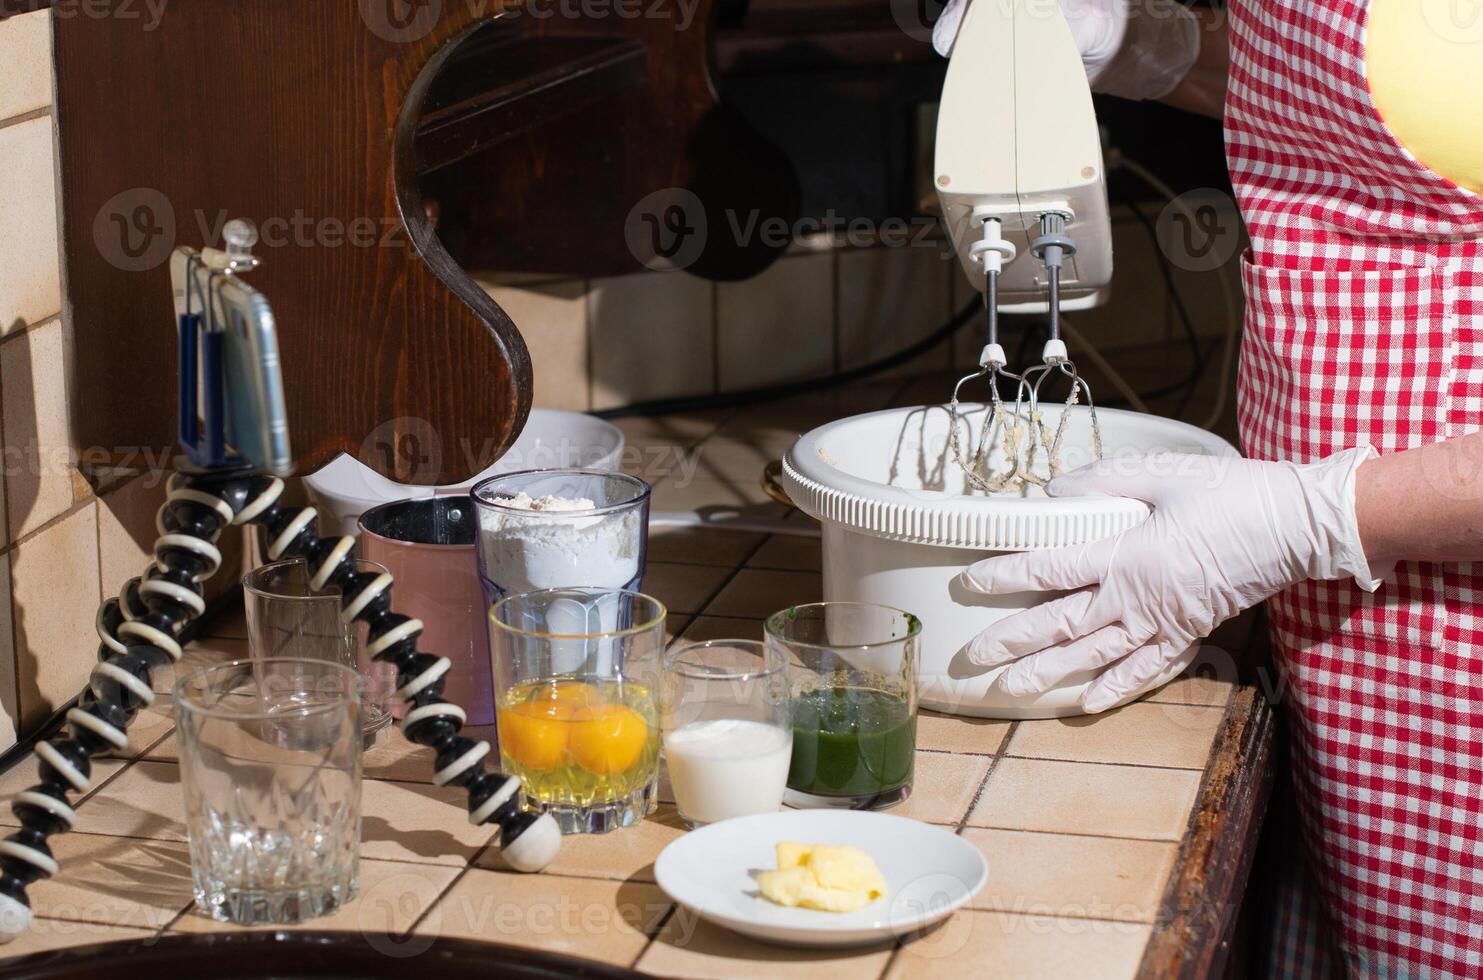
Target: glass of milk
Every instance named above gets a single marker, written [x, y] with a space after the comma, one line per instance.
[727, 728]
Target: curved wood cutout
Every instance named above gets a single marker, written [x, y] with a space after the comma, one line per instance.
[298, 115]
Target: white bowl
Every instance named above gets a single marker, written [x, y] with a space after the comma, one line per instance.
[929, 873]
[899, 525]
[344, 488]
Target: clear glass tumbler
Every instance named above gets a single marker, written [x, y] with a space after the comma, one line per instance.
[852, 676]
[728, 733]
[527, 541]
[576, 674]
[286, 618]
[270, 766]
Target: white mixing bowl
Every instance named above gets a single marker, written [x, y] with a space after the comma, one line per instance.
[899, 525]
[344, 488]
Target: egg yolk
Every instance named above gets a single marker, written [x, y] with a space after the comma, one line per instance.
[534, 733]
[607, 739]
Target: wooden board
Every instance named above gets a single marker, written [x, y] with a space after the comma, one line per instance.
[298, 115]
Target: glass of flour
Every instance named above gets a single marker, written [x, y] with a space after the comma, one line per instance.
[552, 529]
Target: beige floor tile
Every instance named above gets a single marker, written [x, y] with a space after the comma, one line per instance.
[652, 337]
[393, 894]
[25, 48]
[1022, 947]
[714, 499]
[623, 855]
[553, 320]
[115, 881]
[208, 651]
[145, 801]
[30, 264]
[684, 589]
[681, 431]
[33, 372]
[1141, 734]
[722, 628]
[777, 326]
[1194, 690]
[949, 733]
[688, 947]
[45, 935]
[419, 823]
[399, 758]
[727, 458]
[943, 787]
[126, 529]
[22, 775]
[54, 590]
[1071, 876]
[1086, 798]
[701, 546]
[890, 298]
[789, 552]
[601, 920]
[758, 592]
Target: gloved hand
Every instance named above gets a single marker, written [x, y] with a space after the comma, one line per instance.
[1137, 49]
[1224, 534]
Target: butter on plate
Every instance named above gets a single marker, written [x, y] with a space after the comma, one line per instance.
[827, 877]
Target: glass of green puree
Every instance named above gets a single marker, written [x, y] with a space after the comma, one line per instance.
[852, 674]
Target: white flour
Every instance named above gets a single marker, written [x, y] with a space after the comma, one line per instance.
[541, 543]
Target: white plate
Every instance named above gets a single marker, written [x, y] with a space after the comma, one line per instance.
[929, 872]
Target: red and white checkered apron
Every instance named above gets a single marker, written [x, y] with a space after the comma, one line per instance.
[1364, 292]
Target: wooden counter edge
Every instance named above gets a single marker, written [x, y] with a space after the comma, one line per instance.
[1202, 901]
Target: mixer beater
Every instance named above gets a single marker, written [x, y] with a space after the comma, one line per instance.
[1022, 431]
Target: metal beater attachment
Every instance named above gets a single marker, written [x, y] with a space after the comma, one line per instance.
[1011, 429]
[1021, 431]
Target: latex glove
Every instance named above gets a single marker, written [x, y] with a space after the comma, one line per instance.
[1137, 49]
[1224, 534]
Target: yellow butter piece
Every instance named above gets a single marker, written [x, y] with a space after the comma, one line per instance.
[827, 877]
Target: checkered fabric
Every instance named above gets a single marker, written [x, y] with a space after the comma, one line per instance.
[1364, 290]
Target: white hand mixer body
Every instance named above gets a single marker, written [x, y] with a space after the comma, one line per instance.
[1019, 170]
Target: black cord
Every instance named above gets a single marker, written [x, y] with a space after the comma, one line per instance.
[705, 403]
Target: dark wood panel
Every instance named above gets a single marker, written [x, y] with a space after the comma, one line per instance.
[299, 115]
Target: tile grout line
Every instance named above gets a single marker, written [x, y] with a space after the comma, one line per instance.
[999, 753]
[1098, 762]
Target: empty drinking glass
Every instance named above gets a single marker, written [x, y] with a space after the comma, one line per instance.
[728, 735]
[286, 618]
[270, 766]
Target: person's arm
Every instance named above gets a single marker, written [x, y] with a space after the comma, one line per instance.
[1424, 504]
[1203, 88]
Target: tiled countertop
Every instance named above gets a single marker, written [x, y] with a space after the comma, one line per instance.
[1098, 832]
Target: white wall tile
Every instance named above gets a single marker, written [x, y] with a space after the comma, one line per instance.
[653, 336]
[889, 298]
[38, 466]
[54, 588]
[30, 265]
[779, 325]
[25, 51]
[553, 320]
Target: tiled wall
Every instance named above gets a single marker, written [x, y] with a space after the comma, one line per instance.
[63, 544]
[609, 342]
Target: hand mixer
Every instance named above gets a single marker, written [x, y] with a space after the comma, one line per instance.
[1019, 171]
